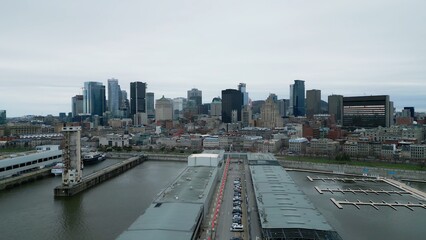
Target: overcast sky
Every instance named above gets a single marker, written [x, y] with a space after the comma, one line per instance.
[48, 49]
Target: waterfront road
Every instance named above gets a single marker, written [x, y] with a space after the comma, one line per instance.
[225, 215]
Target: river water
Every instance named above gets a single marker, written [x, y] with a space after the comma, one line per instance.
[364, 223]
[30, 211]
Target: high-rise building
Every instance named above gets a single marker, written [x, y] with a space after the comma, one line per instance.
[137, 97]
[313, 102]
[114, 92]
[232, 100]
[216, 107]
[367, 112]
[150, 105]
[163, 109]
[242, 88]
[411, 109]
[179, 105]
[335, 108]
[270, 114]
[138, 103]
[94, 101]
[196, 96]
[77, 105]
[2, 117]
[284, 105]
[246, 116]
[297, 98]
[124, 104]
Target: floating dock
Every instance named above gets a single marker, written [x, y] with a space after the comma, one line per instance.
[99, 177]
[355, 191]
[337, 179]
[375, 205]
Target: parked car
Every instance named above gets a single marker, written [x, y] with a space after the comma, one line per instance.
[236, 228]
[236, 211]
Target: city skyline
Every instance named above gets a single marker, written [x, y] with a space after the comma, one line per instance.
[351, 49]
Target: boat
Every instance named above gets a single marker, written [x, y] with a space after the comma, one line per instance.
[93, 157]
[57, 169]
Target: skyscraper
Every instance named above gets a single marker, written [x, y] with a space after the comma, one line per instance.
[270, 114]
[411, 109]
[150, 105]
[216, 107]
[242, 88]
[232, 100]
[138, 102]
[2, 117]
[335, 107]
[196, 96]
[164, 109]
[284, 105]
[313, 102]
[179, 104]
[94, 101]
[114, 92]
[124, 104]
[297, 98]
[77, 105]
[137, 97]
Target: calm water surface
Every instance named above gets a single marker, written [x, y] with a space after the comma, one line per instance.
[365, 223]
[103, 212]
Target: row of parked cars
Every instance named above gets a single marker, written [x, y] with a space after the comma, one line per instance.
[237, 212]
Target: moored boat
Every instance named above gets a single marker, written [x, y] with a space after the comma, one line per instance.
[93, 157]
[57, 169]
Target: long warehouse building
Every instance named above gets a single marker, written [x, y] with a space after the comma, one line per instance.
[284, 210]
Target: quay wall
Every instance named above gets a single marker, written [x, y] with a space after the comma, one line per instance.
[152, 156]
[9, 183]
[358, 170]
[99, 177]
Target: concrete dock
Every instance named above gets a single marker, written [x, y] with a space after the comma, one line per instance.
[99, 177]
[12, 182]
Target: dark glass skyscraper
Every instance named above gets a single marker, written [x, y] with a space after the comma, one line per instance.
[232, 100]
[3, 117]
[367, 111]
[335, 107]
[137, 97]
[297, 98]
[94, 101]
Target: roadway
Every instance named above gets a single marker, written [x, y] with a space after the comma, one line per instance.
[225, 215]
[250, 218]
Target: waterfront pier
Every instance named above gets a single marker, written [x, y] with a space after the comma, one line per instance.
[99, 177]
